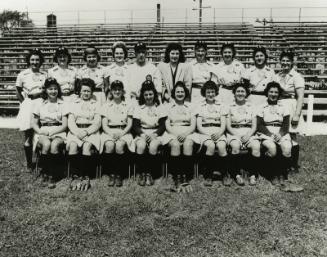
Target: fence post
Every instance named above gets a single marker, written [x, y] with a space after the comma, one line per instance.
[310, 109]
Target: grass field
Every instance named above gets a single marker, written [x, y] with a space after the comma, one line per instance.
[132, 221]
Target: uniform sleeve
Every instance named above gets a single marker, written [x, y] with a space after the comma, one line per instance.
[259, 112]
[137, 113]
[79, 74]
[37, 108]
[188, 75]
[65, 109]
[130, 110]
[19, 80]
[194, 110]
[299, 81]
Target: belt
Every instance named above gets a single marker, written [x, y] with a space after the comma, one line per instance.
[32, 97]
[181, 124]
[199, 86]
[287, 97]
[241, 125]
[273, 124]
[67, 94]
[83, 125]
[98, 89]
[51, 124]
[210, 125]
[257, 93]
[150, 128]
[226, 87]
[117, 126]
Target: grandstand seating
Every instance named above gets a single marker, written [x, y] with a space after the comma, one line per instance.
[307, 39]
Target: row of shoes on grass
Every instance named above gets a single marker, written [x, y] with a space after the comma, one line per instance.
[81, 183]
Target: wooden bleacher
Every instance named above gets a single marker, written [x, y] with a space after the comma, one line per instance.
[307, 39]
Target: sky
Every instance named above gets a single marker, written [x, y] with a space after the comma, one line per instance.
[102, 11]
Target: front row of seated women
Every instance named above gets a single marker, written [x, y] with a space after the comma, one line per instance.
[210, 128]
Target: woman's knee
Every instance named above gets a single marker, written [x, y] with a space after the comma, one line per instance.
[109, 146]
[286, 147]
[140, 146]
[271, 148]
[255, 148]
[45, 145]
[175, 147]
[210, 147]
[72, 148]
[153, 147]
[235, 146]
[56, 144]
[120, 146]
[221, 146]
[87, 148]
[188, 147]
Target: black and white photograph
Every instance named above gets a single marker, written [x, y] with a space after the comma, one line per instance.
[163, 128]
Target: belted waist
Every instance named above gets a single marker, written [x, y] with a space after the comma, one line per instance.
[117, 126]
[67, 94]
[33, 97]
[195, 85]
[287, 96]
[151, 127]
[51, 124]
[83, 125]
[211, 125]
[181, 124]
[226, 87]
[98, 89]
[274, 124]
[257, 93]
[241, 125]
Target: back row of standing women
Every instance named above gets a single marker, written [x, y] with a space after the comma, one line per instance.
[149, 123]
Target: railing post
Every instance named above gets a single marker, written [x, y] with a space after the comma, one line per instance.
[300, 10]
[310, 109]
[271, 14]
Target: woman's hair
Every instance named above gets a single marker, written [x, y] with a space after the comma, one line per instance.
[200, 44]
[174, 46]
[62, 51]
[288, 53]
[262, 50]
[230, 46]
[91, 50]
[148, 86]
[51, 82]
[182, 85]
[243, 85]
[37, 52]
[116, 84]
[209, 85]
[273, 84]
[85, 82]
[121, 45]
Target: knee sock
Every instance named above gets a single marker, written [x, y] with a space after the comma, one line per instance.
[188, 166]
[75, 164]
[55, 162]
[44, 163]
[223, 163]
[234, 164]
[295, 156]
[286, 163]
[108, 161]
[254, 165]
[121, 164]
[140, 161]
[175, 165]
[28, 155]
[208, 165]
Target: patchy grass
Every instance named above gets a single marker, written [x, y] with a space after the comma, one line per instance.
[132, 221]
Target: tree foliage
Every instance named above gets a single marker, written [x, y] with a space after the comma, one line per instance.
[13, 19]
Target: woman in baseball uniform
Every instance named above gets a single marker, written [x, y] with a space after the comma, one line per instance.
[259, 76]
[228, 72]
[241, 134]
[293, 87]
[95, 71]
[273, 126]
[180, 124]
[149, 127]
[84, 122]
[211, 126]
[117, 115]
[174, 69]
[50, 124]
[29, 88]
[64, 73]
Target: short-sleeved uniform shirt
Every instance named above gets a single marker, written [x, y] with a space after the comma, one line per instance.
[31, 82]
[116, 72]
[65, 77]
[259, 78]
[149, 116]
[97, 74]
[49, 112]
[290, 82]
[85, 111]
[136, 75]
[273, 114]
[231, 73]
[180, 115]
[201, 71]
[241, 114]
[117, 114]
[211, 113]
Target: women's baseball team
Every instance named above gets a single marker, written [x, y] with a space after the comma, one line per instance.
[223, 117]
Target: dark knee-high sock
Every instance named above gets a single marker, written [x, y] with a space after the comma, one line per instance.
[286, 163]
[75, 164]
[295, 156]
[108, 160]
[223, 163]
[55, 162]
[254, 165]
[28, 150]
[188, 166]
[208, 164]
[234, 164]
[140, 161]
[175, 165]
[121, 164]
[44, 163]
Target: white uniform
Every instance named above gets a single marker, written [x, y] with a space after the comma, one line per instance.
[259, 78]
[32, 84]
[200, 75]
[136, 75]
[65, 77]
[290, 82]
[229, 74]
[116, 72]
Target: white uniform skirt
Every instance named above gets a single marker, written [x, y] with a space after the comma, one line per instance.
[177, 129]
[301, 127]
[241, 132]
[36, 137]
[274, 130]
[164, 139]
[127, 138]
[94, 139]
[25, 114]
